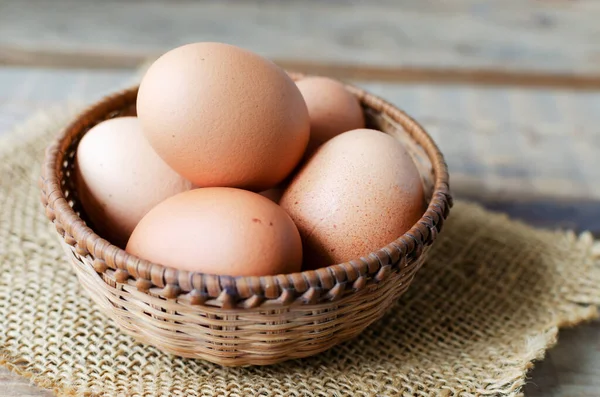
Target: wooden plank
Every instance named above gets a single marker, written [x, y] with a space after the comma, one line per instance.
[547, 212]
[500, 144]
[509, 143]
[571, 368]
[12, 385]
[26, 91]
[515, 35]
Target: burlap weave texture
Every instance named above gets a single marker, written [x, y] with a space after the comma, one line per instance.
[489, 301]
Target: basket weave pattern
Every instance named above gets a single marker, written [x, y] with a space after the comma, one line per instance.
[242, 320]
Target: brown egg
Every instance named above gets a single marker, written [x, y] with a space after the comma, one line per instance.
[223, 116]
[120, 177]
[359, 192]
[222, 231]
[331, 107]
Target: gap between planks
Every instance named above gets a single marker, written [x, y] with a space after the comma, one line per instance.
[401, 74]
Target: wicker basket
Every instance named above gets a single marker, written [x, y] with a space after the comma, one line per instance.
[242, 320]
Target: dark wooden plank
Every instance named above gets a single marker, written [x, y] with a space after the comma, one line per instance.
[571, 368]
[578, 215]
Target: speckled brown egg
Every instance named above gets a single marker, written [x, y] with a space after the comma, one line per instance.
[359, 192]
[223, 116]
[120, 177]
[222, 231]
[331, 107]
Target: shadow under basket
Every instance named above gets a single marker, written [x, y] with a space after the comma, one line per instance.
[242, 320]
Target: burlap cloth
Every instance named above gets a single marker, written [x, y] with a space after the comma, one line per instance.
[489, 301]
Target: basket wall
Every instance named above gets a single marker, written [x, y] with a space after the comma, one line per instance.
[258, 336]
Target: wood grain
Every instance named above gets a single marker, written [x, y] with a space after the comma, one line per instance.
[556, 37]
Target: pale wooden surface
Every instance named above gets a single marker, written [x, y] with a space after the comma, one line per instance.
[553, 36]
[530, 153]
[12, 385]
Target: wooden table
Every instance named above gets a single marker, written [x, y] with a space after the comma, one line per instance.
[510, 91]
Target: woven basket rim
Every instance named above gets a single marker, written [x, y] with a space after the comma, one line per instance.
[202, 286]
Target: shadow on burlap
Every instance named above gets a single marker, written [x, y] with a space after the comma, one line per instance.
[489, 301]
